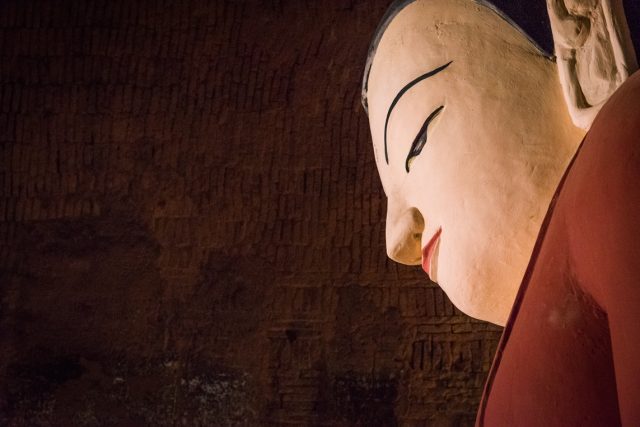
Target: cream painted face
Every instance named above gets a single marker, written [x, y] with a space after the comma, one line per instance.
[494, 154]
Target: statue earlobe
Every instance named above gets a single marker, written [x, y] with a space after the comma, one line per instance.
[594, 52]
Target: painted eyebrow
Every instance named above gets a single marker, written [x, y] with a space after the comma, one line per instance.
[399, 95]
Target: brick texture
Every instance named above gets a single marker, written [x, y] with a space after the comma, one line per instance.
[192, 225]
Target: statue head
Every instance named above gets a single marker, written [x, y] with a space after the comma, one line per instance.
[471, 136]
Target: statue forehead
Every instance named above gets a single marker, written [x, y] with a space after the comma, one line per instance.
[422, 36]
[399, 17]
[421, 33]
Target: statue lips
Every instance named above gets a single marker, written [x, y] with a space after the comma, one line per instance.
[428, 251]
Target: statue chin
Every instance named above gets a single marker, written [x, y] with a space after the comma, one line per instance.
[485, 291]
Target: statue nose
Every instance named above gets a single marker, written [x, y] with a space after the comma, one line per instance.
[404, 235]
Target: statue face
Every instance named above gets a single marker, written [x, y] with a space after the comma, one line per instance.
[471, 137]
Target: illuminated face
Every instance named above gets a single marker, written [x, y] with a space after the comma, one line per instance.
[471, 137]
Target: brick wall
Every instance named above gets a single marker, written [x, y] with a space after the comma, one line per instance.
[192, 226]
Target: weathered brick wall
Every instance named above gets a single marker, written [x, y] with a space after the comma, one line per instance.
[192, 226]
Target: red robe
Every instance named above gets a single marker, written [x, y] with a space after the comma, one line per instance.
[570, 353]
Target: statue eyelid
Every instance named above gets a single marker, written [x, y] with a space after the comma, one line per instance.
[421, 139]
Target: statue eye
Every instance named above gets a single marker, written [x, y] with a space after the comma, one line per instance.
[421, 139]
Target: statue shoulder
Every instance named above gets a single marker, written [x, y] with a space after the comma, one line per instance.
[601, 195]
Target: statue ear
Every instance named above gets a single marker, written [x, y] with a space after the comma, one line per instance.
[594, 52]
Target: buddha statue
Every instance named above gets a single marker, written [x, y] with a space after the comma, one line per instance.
[487, 149]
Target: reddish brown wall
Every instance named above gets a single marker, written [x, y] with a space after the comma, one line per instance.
[192, 227]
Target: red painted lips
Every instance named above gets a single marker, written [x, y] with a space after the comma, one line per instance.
[428, 251]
